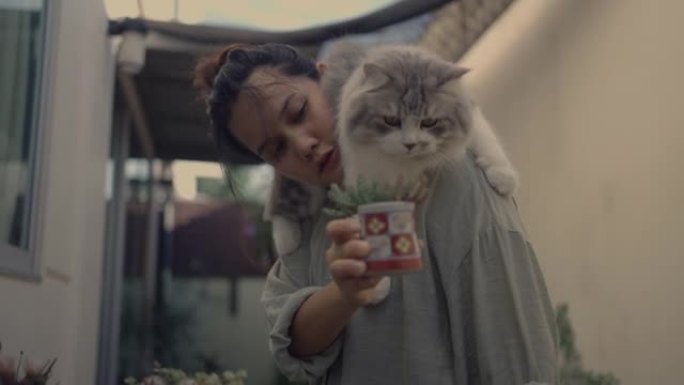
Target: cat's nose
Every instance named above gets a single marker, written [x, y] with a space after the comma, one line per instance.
[409, 146]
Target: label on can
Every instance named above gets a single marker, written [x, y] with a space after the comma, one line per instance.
[389, 227]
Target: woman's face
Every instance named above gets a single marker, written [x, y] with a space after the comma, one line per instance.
[290, 125]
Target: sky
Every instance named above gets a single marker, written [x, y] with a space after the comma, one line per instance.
[275, 15]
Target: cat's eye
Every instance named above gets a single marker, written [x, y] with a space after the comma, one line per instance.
[427, 123]
[392, 121]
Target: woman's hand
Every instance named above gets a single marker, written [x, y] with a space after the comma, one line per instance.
[346, 261]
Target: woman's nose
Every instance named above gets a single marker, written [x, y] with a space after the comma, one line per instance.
[305, 145]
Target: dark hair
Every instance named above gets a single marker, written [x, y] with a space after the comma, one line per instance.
[220, 77]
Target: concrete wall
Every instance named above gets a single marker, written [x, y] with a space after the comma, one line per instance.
[58, 317]
[587, 96]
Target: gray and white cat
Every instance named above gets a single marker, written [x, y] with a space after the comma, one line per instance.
[402, 111]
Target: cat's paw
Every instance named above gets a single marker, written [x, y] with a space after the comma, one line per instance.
[381, 291]
[503, 179]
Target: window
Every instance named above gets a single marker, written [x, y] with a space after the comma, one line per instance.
[22, 36]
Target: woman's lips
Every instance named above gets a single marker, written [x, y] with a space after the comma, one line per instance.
[331, 161]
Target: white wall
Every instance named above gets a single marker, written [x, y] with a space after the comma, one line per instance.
[587, 95]
[59, 316]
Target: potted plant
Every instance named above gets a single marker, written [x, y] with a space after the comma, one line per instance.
[387, 218]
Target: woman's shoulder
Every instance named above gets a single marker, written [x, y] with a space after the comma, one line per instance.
[461, 192]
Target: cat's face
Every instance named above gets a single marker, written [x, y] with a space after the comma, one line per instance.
[409, 106]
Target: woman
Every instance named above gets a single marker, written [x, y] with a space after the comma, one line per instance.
[477, 313]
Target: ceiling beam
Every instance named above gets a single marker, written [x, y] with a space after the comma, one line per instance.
[213, 35]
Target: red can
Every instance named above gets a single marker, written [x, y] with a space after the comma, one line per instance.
[390, 228]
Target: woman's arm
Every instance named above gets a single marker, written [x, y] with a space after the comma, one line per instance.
[324, 315]
[305, 320]
[319, 321]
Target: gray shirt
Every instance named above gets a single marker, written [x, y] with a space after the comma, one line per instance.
[477, 313]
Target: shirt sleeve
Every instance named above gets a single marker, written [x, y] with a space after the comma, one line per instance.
[287, 287]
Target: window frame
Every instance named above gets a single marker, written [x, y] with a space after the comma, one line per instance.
[25, 262]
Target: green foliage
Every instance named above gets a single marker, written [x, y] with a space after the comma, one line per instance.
[343, 203]
[571, 370]
[171, 376]
[214, 187]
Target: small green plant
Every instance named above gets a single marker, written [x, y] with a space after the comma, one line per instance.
[171, 376]
[344, 202]
[572, 371]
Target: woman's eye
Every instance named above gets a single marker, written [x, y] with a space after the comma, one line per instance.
[392, 121]
[428, 122]
[301, 113]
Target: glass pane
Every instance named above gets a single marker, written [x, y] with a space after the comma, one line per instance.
[21, 42]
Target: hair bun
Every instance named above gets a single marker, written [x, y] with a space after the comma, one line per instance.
[209, 66]
[239, 55]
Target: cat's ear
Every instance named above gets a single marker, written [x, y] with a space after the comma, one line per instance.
[375, 72]
[455, 72]
[376, 77]
[321, 67]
